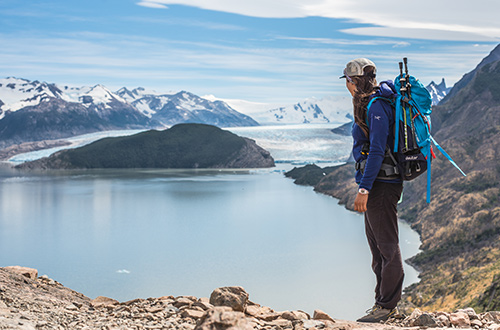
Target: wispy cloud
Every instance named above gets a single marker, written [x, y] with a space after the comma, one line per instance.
[421, 33]
[422, 21]
[349, 42]
[123, 271]
[151, 4]
[185, 22]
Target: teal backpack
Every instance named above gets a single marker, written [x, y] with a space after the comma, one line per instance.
[412, 152]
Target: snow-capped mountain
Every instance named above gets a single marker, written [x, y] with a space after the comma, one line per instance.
[137, 93]
[312, 110]
[438, 91]
[17, 93]
[185, 107]
[33, 110]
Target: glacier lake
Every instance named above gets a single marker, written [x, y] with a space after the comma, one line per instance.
[145, 233]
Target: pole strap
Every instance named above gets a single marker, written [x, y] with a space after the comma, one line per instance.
[447, 156]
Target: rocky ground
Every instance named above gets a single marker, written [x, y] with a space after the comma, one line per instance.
[28, 301]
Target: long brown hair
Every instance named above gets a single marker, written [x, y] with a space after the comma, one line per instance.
[366, 85]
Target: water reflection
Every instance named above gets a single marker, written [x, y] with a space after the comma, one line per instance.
[140, 233]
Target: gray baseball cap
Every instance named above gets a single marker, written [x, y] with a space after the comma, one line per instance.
[356, 67]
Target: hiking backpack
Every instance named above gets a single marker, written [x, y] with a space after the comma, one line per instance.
[412, 152]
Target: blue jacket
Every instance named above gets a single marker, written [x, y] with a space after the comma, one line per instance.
[381, 126]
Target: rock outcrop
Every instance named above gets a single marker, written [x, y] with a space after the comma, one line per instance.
[30, 146]
[31, 302]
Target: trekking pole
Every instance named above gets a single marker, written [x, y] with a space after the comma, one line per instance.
[412, 119]
[403, 91]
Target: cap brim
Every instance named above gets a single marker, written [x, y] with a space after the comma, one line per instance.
[342, 77]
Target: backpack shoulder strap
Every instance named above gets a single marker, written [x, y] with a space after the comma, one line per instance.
[391, 102]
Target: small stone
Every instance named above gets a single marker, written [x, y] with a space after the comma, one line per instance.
[270, 316]
[182, 301]
[416, 313]
[133, 302]
[253, 310]
[281, 323]
[308, 324]
[203, 304]
[194, 314]
[320, 315]
[476, 324]
[71, 307]
[424, 320]
[155, 310]
[104, 302]
[491, 316]
[295, 315]
[77, 304]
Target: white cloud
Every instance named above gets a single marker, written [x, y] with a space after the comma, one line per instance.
[349, 42]
[151, 4]
[427, 19]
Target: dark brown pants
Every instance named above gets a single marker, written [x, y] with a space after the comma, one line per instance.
[381, 226]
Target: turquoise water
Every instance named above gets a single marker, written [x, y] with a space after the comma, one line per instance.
[149, 233]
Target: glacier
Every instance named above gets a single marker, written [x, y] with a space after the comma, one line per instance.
[295, 144]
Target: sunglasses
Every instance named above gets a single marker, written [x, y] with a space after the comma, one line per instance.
[349, 79]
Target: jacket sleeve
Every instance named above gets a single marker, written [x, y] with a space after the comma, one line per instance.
[379, 131]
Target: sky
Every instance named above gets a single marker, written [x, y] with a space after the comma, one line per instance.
[259, 50]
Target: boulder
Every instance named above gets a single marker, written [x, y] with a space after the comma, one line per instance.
[223, 317]
[24, 271]
[460, 320]
[235, 297]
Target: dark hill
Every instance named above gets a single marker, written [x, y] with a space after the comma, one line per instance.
[182, 146]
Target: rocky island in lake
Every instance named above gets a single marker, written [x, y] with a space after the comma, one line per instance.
[182, 146]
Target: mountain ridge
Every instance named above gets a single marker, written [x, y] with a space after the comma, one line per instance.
[493, 56]
[37, 111]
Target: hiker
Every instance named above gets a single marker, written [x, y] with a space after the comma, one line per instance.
[378, 193]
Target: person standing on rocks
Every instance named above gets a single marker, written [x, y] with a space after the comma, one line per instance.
[379, 190]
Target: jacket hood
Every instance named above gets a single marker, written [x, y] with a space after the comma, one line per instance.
[386, 89]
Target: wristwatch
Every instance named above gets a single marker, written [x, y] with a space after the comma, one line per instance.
[363, 191]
